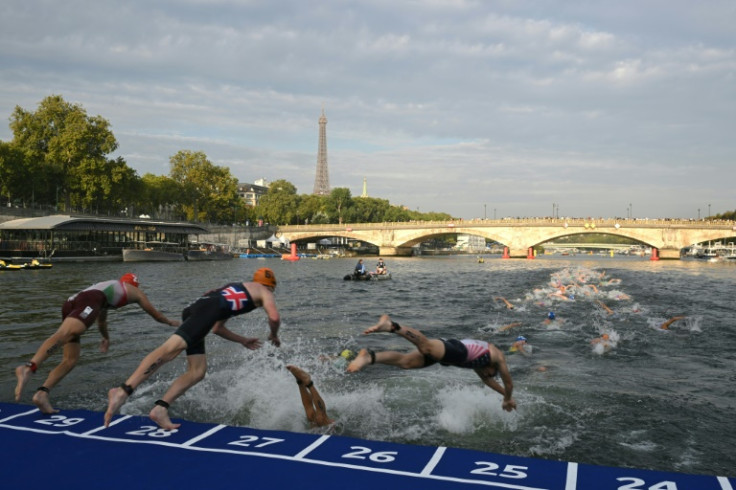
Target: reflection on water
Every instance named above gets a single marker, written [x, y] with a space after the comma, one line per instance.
[660, 399]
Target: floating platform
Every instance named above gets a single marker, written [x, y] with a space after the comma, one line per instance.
[72, 450]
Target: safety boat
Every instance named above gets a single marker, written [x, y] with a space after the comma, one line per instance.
[367, 277]
[34, 264]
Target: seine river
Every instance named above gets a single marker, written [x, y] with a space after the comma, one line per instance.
[659, 399]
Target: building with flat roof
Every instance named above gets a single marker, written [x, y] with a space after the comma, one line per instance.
[63, 237]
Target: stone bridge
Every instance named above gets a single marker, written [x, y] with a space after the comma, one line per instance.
[667, 237]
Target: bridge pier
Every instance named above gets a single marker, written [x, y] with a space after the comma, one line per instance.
[518, 253]
[394, 251]
[669, 254]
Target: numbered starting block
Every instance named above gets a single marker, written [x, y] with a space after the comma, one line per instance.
[73, 449]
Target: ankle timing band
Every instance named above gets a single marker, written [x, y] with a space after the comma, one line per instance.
[161, 403]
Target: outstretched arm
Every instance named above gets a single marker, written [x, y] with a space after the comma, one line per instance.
[669, 322]
[488, 376]
[137, 296]
[222, 331]
[274, 319]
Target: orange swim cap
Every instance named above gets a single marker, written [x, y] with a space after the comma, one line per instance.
[604, 336]
[265, 276]
[130, 278]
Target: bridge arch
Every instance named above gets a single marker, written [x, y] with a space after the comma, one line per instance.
[669, 237]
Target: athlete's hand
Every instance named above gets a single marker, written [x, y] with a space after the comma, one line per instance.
[104, 345]
[509, 405]
[251, 343]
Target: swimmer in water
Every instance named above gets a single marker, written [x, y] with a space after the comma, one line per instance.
[314, 406]
[520, 345]
[509, 306]
[604, 343]
[608, 310]
[509, 326]
[551, 317]
[666, 325]
[484, 358]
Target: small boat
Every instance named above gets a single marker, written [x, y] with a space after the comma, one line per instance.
[35, 264]
[154, 252]
[209, 251]
[10, 267]
[367, 277]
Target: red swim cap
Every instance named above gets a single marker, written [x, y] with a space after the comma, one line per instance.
[130, 278]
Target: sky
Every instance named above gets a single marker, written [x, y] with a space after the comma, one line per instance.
[480, 109]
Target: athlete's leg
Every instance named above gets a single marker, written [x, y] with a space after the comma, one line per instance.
[160, 356]
[68, 329]
[196, 370]
[71, 356]
[320, 419]
[303, 380]
[432, 347]
[410, 360]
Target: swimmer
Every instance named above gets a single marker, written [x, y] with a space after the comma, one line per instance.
[78, 314]
[521, 346]
[509, 326]
[666, 325]
[209, 313]
[509, 306]
[314, 405]
[608, 310]
[484, 358]
[340, 361]
[602, 344]
[550, 318]
[602, 339]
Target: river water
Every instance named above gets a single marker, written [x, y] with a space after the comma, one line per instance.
[659, 399]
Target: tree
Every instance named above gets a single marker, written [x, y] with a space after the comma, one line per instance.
[312, 209]
[209, 192]
[157, 196]
[104, 185]
[60, 142]
[279, 205]
[14, 176]
[339, 201]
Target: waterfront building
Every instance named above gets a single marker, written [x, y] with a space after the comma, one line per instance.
[61, 237]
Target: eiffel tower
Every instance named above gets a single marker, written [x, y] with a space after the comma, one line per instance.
[322, 178]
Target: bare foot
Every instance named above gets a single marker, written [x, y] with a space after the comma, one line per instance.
[160, 415]
[361, 360]
[41, 400]
[115, 399]
[300, 375]
[23, 373]
[383, 325]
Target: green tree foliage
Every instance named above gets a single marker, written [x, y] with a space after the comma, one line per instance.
[280, 204]
[208, 192]
[104, 185]
[312, 209]
[14, 176]
[157, 195]
[339, 202]
[60, 143]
